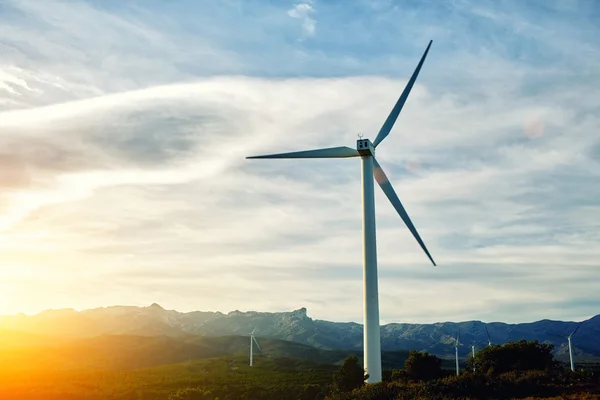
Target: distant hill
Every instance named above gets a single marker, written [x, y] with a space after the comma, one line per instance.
[112, 352]
[296, 326]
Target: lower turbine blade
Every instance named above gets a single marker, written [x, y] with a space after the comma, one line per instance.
[257, 345]
[387, 188]
[331, 152]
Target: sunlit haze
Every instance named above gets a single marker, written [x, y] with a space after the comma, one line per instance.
[124, 128]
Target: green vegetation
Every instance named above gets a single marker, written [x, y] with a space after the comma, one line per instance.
[222, 378]
[350, 376]
[284, 370]
[515, 370]
[514, 356]
[423, 366]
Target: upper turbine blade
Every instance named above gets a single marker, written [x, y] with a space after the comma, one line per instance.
[387, 188]
[572, 333]
[391, 119]
[487, 333]
[331, 152]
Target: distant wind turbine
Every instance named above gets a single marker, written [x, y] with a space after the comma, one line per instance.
[252, 341]
[473, 344]
[473, 350]
[371, 169]
[570, 345]
[456, 343]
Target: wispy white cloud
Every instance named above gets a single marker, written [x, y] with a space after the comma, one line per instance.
[129, 184]
[303, 12]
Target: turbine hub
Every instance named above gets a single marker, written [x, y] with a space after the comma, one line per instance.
[365, 147]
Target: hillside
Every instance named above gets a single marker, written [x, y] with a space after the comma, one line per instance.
[109, 352]
[297, 326]
[225, 378]
[77, 369]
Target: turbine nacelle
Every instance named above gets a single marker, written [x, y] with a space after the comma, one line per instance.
[365, 147]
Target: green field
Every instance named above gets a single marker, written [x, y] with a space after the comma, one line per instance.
[225, 378]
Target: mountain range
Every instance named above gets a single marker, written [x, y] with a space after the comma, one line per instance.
[295, 326]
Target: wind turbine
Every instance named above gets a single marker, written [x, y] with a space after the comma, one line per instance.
[252, 341]
[456, 343]
[473, 344]
[473, 352]
[371, 169]
[571, 347]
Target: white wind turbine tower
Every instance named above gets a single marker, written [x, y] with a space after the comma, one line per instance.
[473, 352]
[371, 169]
[473, 344]
[252, 341]
[456, 343]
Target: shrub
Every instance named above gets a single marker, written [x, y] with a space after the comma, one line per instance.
[422, 366]
[350, 376]
[514, 356]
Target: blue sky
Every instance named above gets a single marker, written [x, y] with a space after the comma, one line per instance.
[125, 127]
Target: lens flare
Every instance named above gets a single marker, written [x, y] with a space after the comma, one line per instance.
[534, 128]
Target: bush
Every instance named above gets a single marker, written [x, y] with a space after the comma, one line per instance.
[514, 356]
[350, 376]
[423, 366]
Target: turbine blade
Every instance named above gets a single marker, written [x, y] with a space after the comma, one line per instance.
[487, 333]
[257, 345]
[253, 330]
[387, 188]
[331, 152]
[391, 119]
[572, 333]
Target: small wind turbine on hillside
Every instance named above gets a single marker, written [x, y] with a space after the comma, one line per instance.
[473, 352]
[570, 345]
[252, 341]
[456, 343]
[473, 344]
[371, 169]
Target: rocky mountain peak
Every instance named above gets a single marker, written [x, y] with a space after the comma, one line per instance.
[300, 313]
